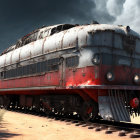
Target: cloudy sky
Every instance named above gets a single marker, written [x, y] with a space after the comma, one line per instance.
[19, 17]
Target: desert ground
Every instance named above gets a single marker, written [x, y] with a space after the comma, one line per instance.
[19, 126]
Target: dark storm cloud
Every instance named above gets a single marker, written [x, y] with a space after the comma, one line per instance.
[19, 17]
[33, 10]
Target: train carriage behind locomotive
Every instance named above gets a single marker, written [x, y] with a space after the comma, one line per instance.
[88, 69]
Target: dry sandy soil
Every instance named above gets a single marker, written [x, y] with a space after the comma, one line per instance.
[17, 126]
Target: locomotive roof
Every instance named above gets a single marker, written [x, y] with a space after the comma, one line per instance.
[55, 29]
[59, 37]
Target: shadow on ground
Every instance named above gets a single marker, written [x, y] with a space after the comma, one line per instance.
[4, 135]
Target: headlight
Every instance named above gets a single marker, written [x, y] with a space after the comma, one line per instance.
[136, 79]
[110, 76]
[96, 59]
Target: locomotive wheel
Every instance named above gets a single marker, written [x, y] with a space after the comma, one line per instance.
[1, 102]
[85, 116]
[6, 102]
[47, 111]
[86, 111]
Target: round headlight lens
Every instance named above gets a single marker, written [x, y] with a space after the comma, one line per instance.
[96, 59]
[110, 76]
[136, 78]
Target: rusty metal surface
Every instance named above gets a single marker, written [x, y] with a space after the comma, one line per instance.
[58, 41]
[84, 45]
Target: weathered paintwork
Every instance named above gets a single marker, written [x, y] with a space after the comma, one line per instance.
[118, 48]
[77, 37]
[63, 40]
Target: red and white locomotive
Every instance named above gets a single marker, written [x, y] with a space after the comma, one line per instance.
[85, 69]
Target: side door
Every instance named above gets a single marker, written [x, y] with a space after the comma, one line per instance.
[62, 69]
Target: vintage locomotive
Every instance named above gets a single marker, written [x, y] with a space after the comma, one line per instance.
[89, 70]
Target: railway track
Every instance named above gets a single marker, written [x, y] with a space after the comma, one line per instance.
[109, 127]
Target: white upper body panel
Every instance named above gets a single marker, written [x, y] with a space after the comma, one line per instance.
[62, 40]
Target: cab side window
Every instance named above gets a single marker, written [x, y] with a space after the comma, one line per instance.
[72, 61]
